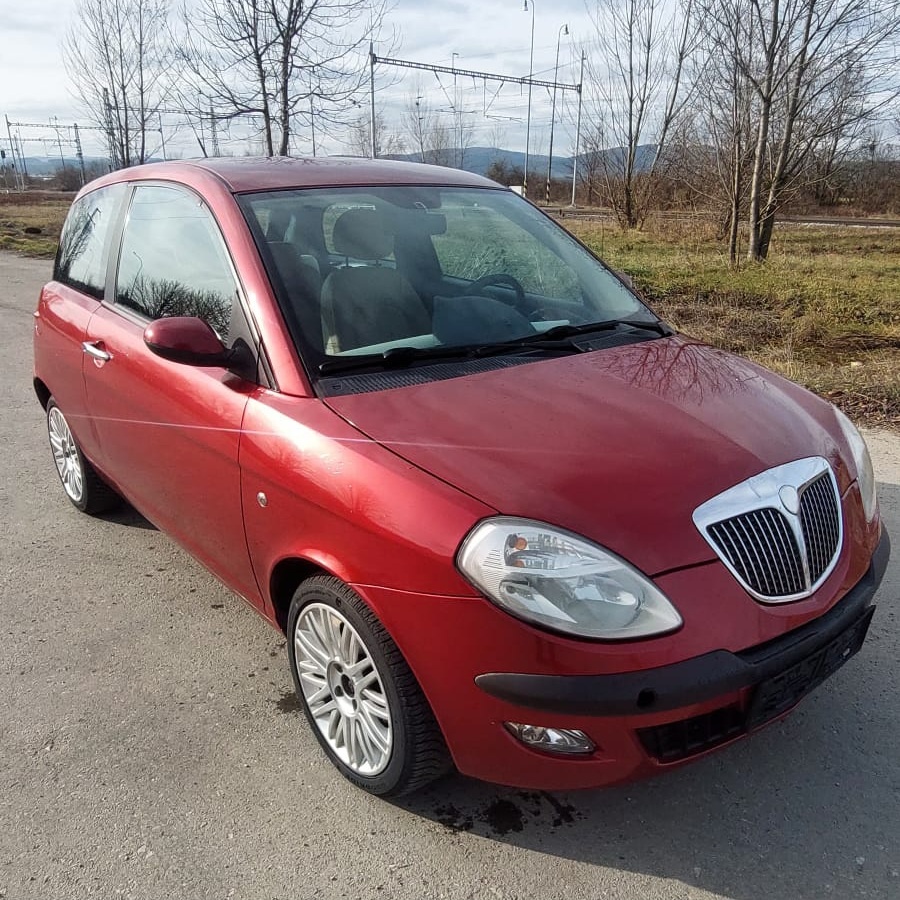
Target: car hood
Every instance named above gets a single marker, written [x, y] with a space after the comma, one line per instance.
[619, 445]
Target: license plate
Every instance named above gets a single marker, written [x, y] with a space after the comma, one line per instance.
[779, 693]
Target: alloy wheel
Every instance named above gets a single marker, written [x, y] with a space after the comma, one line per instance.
[343, 689]
[66, 455]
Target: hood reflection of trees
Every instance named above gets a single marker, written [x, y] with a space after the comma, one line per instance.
[682, 369]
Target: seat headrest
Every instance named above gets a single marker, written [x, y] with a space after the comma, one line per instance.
[361, 234]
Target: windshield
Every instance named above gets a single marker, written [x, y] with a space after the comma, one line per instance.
[369, 270]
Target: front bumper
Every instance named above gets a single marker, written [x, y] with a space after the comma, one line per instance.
[701, 678]
[643, 716]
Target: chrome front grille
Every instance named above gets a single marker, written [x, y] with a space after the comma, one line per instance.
[820, 518]
[762, 548]
[779, 532]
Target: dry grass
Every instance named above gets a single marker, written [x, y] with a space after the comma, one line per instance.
[31, 225]
[824, 309]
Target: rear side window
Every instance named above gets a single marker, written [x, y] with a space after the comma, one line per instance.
[84, 242]
[173, 261]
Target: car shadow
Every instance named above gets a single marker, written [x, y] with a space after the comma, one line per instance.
[126, 514]
[808, 807]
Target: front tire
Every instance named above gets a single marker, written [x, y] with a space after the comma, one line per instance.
[83, 486]
[362, 701]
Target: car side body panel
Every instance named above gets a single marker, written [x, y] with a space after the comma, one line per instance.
[60, 327]
[337, 499]
[168, 440]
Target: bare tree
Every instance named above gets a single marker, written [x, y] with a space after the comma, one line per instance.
[358, 137]
[715, 143]
[817, 70]
[636, 92]
[117, 57]
[431, 139]
[591, 164]
[268, 59]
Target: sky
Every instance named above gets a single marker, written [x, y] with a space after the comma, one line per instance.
[487, 35]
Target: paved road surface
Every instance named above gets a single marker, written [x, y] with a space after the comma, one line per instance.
[150, 746]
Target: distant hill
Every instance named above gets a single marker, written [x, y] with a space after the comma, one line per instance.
[479, 159]
[48, 166]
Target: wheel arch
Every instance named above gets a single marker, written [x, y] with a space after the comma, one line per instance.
[42, 391]
[292, 570]
[289, 573]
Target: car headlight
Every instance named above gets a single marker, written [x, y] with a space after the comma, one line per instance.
[561, 581]
[865, 474]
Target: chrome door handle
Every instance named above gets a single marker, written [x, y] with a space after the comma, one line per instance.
[95, 349]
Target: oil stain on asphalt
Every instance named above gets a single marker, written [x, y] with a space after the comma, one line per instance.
[288, 703]
[508, 815]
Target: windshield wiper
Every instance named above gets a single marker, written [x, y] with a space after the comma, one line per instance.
[397, 357]
[555, 340]
[568, 331]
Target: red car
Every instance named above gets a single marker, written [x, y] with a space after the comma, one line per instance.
[508, 520]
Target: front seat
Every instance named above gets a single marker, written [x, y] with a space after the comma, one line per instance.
[370, 304]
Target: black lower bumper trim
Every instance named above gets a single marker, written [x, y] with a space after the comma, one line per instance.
[693, 680]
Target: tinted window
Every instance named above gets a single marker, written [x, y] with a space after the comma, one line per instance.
[83, 244]
[173, 261]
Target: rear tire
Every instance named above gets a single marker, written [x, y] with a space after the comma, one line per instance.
[85, 489]
[363, 703]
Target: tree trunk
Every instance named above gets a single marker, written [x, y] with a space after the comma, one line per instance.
[628, 206]
[735, 211]
[759, 158]
[762, 137]
[765, 232]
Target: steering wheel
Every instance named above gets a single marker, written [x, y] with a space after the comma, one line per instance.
[500, 279]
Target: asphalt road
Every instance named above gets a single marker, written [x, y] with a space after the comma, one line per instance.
[150, 746]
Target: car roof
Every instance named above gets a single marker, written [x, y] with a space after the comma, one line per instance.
[245, 174]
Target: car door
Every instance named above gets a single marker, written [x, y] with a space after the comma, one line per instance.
[169, 433]
[70, 299]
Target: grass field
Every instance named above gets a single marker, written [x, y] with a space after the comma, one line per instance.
[823, 310]
[31, 226]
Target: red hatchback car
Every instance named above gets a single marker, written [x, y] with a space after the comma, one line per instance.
[508, 520]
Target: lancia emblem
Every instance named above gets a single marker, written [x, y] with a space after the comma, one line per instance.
[790, 499]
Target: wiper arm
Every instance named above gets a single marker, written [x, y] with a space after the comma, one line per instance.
[393, 357]
[567, 331]
[397, 357]
[555, 339]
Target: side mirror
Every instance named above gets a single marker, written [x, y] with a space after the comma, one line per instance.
[187, 340]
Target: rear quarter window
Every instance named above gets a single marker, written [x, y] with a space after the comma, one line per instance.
[84, 243]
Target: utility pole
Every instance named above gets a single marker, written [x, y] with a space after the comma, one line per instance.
[80, 154]
[213, 134]
[578, 130]
[312, 124]
[530, 85]
[17, 175]
[62, 157]
[21, 152]
[456, 112]
[372, 96]
[110, 131]
[563, 30]
[162, 136]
